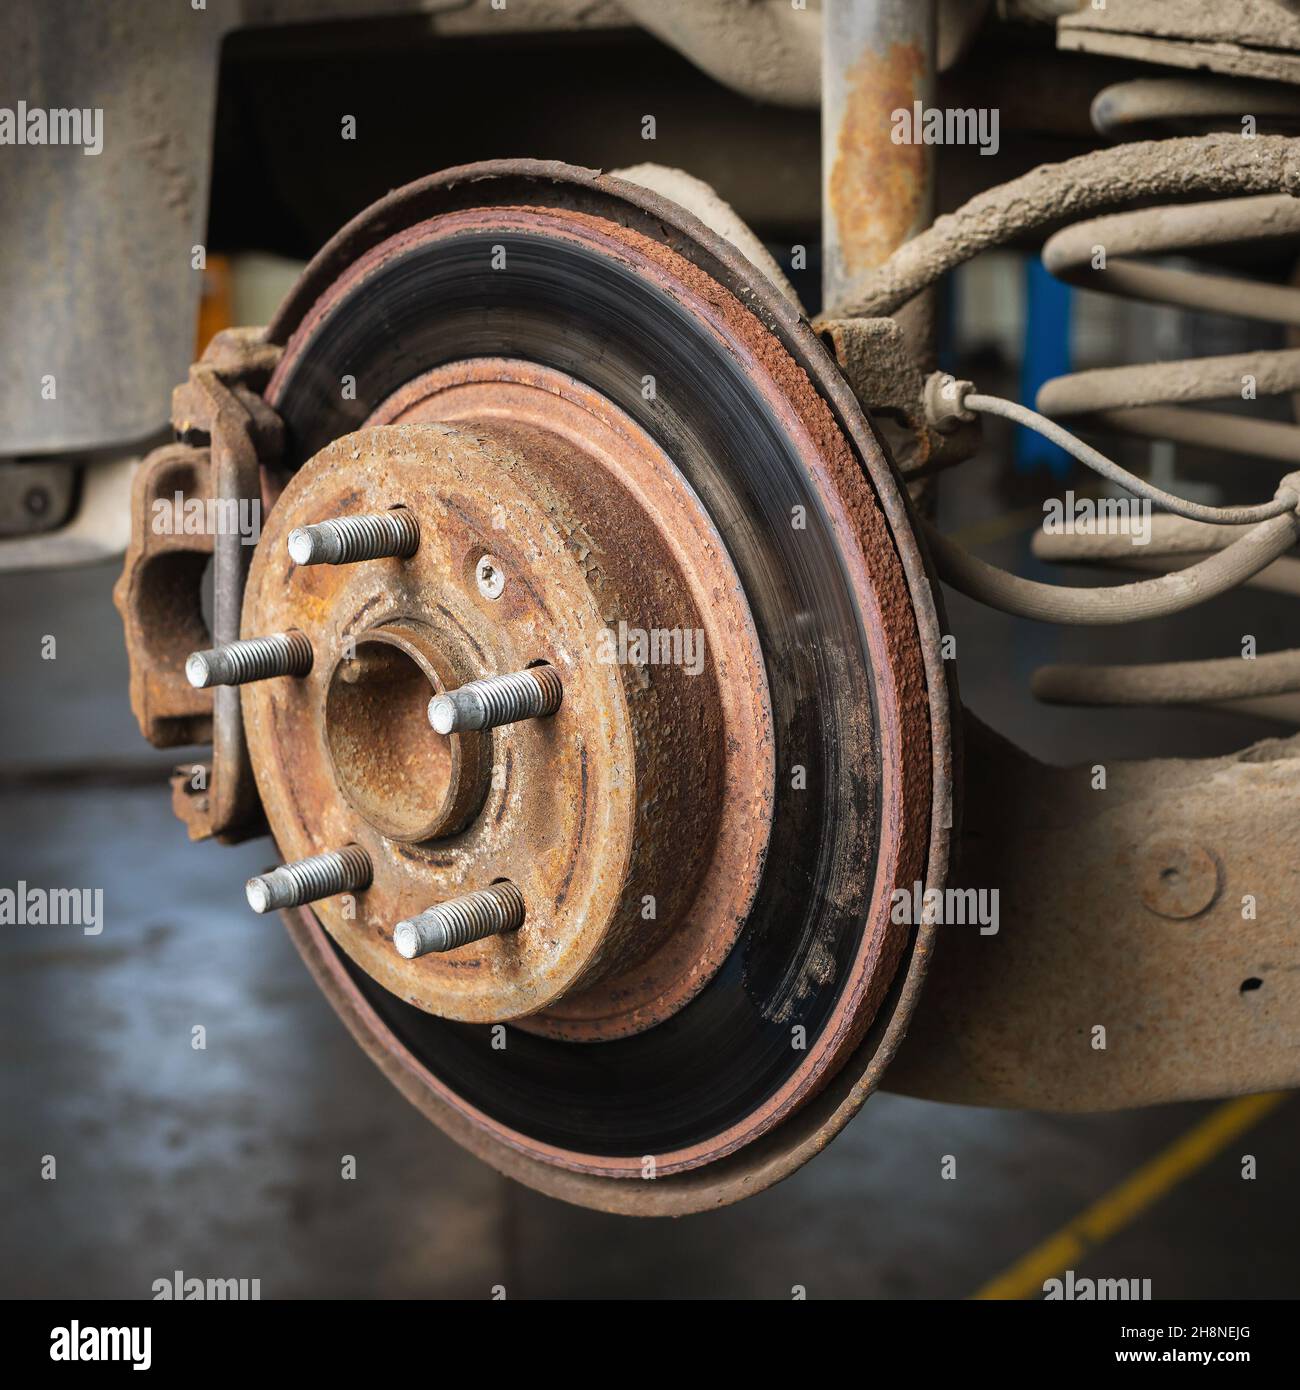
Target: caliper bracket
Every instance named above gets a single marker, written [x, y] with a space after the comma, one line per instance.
[225, 433]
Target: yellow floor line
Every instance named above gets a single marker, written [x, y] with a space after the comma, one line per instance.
[1139, 1190]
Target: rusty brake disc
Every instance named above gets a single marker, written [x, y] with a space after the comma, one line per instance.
[570, 381]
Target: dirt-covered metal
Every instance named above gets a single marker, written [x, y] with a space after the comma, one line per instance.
[677, 258]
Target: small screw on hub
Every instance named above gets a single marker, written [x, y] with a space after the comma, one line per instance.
[461, 920]
[498, 700]
[490, 576]
[306, 880]
[347, 539]
[254, 659]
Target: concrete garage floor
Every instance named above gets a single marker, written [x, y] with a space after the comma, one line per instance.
[226, 1162]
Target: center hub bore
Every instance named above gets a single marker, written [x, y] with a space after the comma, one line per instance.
[634, 820]
[408, 786]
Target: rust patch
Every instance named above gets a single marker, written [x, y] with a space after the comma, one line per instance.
[876, 187]
[591, 815]
[698, 848]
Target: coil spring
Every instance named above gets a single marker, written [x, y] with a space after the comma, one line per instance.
[1151, 400]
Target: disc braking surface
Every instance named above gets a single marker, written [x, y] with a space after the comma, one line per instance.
[633, 320]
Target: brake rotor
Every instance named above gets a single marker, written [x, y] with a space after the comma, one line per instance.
[572, 382]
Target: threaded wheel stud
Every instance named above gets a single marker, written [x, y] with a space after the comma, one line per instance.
[496, 700]
[307, 880]
[346, 539]
[461, 920]
[251, 659]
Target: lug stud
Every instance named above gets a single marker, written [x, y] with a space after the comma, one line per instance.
[496, 700]
[307, 880]
[461, 920]
[345, 540]
[253, 659]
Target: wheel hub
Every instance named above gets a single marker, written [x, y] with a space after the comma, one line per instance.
[635, 820]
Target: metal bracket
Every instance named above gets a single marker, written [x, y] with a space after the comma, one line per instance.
[227, 433]
[878, 364]
[1152, 900]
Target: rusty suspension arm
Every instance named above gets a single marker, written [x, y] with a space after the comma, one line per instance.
[1153, 899]
[1145, 947]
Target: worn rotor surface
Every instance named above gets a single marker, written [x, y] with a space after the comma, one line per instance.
[466, 301]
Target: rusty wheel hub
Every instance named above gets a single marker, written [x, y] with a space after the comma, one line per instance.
[634, 821]
[616, 468]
